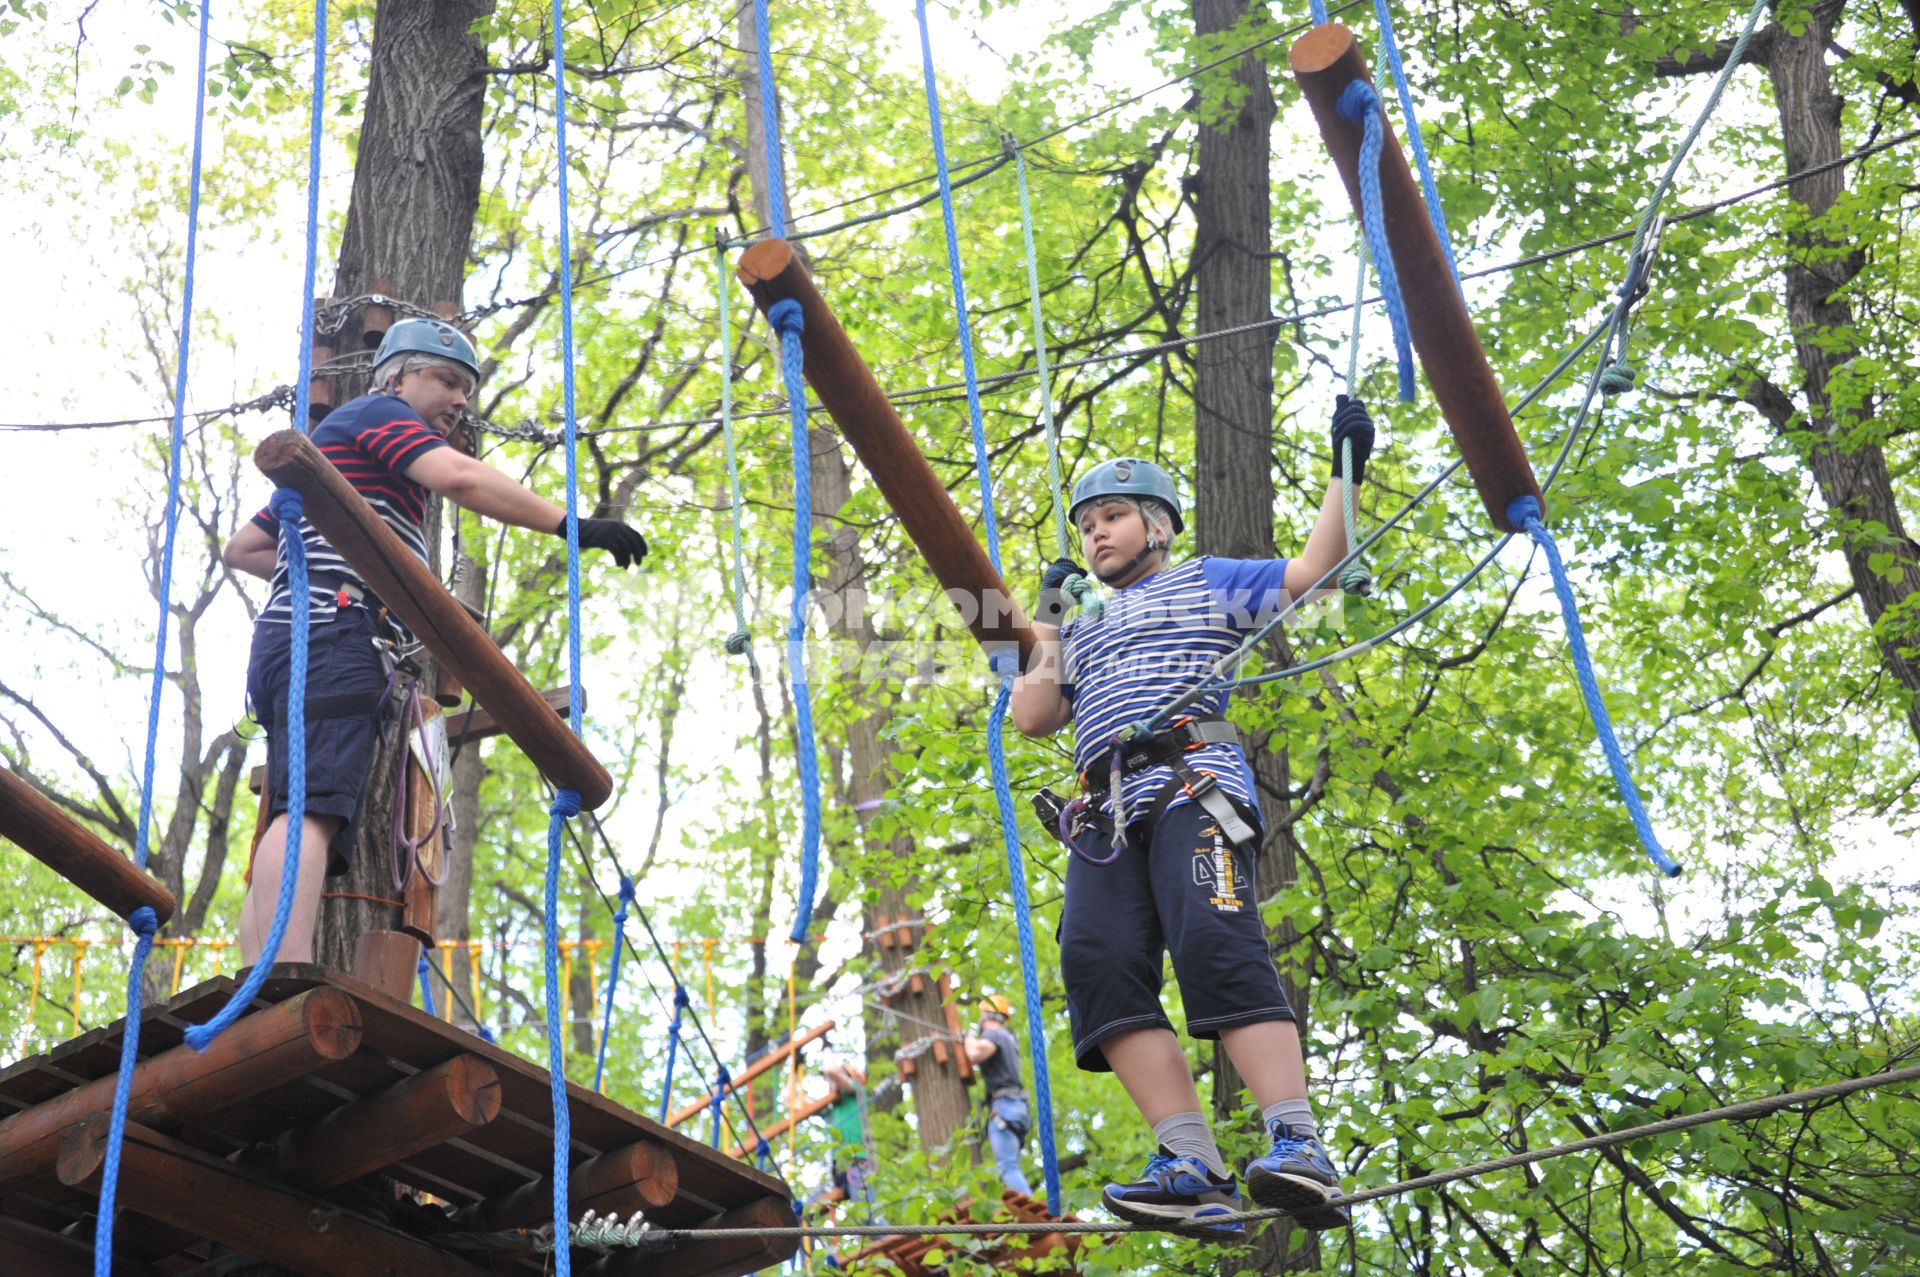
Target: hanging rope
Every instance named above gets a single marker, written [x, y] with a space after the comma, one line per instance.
[789, 323]
[1359, 103]
[613, 978]
[1077, 589]
[1354, 577]
[1005, 661]
[426, 990]
[740, 642]
[724, 1082]
[1391, 47]
[673, 1046]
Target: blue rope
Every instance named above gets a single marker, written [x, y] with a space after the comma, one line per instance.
[426, 990]
[566, 804]
[1005, 661]
[1318, 8]
[1391, 47]
[673, 1045]
[1359, 103]
[143, 920]
[787, 320]
[287, 508]
[770, 124]
[1524, 512]
[724, 1081]
[613, 977]
[303, 385]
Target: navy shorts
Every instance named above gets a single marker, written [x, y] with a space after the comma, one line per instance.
[1192, 894]
[346, 685]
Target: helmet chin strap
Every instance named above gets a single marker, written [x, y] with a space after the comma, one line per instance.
[1121, 573]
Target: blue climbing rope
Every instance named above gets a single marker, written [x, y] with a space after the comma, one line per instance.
[673, 1046]
[613, 977]
[421, 969]
[144, 921]
[786, 318]
[1525, 512]
[1359, 103]
[1005, 661]
[1391, 47]
[721, 1084]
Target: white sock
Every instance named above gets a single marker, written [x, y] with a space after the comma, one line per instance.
[1188, 1135]
[1297, 1114]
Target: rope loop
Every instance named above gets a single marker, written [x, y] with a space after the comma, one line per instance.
[786, 317]
[1618, 378]
[1084, 594]
[1004, 662]
[1361, 103]
[680, 999]
[287, 505]
[566, 804]
[1357, 101]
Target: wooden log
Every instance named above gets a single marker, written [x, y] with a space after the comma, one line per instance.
[1324, 62]
[70, 849]
[772, 1058]
[404, 584]
[164, 1179]
[372, 1133]
[267, 1048]
[387, 960]
[641, 1175]
[35, 1252]
[714, 1259]
[468, 727]
[773, 272]
[785, 1124]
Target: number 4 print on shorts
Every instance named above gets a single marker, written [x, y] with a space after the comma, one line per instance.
[1215, 870]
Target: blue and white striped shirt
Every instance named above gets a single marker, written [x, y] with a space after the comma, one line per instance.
[1157, 638]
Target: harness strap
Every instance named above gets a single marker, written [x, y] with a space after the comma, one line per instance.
[1143, 752]
[1204, 789]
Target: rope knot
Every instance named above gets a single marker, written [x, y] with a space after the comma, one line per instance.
[738, 642]
[1523, 513]
[726, 1080]
[1357, 101]
[680, 999]
[1086, 595]
[1004, 661]
[144, 922]
[1356, 580]
[286, 505]
[786, 317]
[566, 803]
[1618, 377]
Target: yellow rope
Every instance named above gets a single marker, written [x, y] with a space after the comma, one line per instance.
[79, 950]
[33, 997]
[706, 966]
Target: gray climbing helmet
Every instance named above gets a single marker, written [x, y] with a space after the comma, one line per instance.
[428, 337]
[1126, 477]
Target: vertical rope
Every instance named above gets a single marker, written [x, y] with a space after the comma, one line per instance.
[721, 1084]
[1354, 578]
[740, 642]
[1359, 103]
[613, 978]
[1006, 660]
[144, 921]
[426, 990]
[1435, 213]
[566, 802]
[1525, 512]
[673, 1046]
[770, 122]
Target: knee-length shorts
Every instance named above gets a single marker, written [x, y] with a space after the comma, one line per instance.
[1183, 889]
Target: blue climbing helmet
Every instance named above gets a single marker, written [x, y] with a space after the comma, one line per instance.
[1126, 477]
[434, 337]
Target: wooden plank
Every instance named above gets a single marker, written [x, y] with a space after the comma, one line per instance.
[641, 1175]
[373, 1133]
[266, 1048]
[773, 1056]
[34, 1252]
[179, 1185]
[404, 584]
[1325, 61]
[70, 849]
[773, 272]
[786, 1124]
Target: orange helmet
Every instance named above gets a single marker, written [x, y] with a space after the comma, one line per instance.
[996, 1004]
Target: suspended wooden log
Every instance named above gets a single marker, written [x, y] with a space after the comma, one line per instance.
[404, 584]
[268, 1048]
[772, 1057]
[70, 849]
[164, 1179]
[1325, 61]
[644, 1170]
[370, 1134]
[773, 272]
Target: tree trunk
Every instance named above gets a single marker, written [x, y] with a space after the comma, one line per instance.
[416, 190]
[1853, 479]
[1233, 469]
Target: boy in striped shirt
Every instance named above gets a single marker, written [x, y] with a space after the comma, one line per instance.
[1179, 877]
[391, 445]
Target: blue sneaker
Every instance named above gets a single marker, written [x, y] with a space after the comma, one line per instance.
[1180, 1194]
[1298, 1177]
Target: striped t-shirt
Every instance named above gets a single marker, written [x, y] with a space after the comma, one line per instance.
[371, 441]
[1155, 640]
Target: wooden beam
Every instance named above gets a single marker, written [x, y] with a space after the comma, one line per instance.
[468, 727]
[35, 1252]
[714, 1259]
[1325, 61]
[404, 584]
[785, 1124]
[774, 1055]
[773, 272]
[372, 1133]
[178, 1184]
[643, 1174]
[270, 1047]
[70, 849]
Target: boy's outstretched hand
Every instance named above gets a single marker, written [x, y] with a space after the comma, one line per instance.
[624, 543]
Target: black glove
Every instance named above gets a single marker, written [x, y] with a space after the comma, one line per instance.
[1052, 606]
[625, 544]
[1351, 422]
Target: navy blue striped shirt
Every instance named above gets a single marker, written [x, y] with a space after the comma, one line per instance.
[1156, 639]
[371, 441]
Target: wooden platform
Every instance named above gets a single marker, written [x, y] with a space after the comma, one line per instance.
[297, 1136]
[907, 1256]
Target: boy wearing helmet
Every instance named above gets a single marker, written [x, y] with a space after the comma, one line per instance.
[996, 1057]
[391, 446]
[1165, 838]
